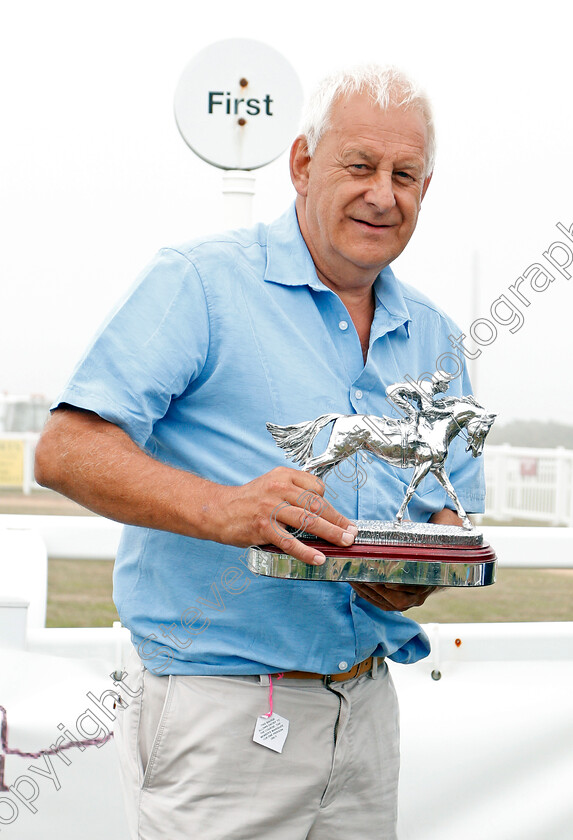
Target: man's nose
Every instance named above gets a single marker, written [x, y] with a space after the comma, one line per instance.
[380, 192]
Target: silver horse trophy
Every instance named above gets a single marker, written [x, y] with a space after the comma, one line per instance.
[398, 551]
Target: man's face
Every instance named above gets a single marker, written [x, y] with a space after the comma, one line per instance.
[359, 195]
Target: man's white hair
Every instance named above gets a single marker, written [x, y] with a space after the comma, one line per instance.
[388, 87]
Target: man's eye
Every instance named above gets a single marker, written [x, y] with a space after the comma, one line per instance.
[360, 167]
[404, 175]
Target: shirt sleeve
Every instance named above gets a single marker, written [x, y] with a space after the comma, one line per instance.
[148, 351]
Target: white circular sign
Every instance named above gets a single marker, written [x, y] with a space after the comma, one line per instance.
[237, 104]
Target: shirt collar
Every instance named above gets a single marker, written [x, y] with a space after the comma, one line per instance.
[390, 301]
[289, 264]
[288, 259]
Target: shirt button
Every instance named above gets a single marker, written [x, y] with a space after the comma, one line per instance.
[358, 394]
[343, 666]
[343, 325]
[353, 596]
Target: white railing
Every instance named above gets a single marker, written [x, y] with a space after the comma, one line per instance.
[96, 538]
[26, 543]
[530, 484]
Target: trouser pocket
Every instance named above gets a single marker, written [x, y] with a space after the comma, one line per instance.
[155, 708]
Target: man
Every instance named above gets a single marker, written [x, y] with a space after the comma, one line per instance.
[163, 427]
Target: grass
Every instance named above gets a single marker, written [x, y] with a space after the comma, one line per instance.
[79, 595]
[517, 595]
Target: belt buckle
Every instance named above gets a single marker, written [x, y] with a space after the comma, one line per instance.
[327, 679]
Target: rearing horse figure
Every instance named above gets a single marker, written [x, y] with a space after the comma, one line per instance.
[422, 444]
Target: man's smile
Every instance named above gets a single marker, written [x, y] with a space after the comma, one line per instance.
[373, 225]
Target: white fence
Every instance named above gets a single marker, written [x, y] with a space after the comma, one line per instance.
[97, 538]
[529, 484]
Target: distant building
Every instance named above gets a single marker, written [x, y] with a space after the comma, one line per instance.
[23, 412]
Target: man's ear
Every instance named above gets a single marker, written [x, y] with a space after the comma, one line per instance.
[299, 165]
[426, 185]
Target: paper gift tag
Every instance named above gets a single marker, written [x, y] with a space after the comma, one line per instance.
[271, 732]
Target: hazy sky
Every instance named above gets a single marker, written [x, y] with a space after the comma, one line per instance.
[96, 178]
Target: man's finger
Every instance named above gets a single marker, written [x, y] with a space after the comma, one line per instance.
[307, 553]
[308, 481]
[285, 514]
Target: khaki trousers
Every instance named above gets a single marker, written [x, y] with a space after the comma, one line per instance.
[191, 769]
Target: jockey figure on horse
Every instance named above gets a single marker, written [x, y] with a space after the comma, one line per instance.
[421, 391]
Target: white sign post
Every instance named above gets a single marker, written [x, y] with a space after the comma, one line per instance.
[237, 106]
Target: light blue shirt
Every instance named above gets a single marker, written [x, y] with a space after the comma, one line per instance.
[215, 339]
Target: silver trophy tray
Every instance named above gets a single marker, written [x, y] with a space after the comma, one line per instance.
[409, 554]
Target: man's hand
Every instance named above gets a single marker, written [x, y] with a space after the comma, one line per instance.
[256, 513]
[393, 596]
[446, 517]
